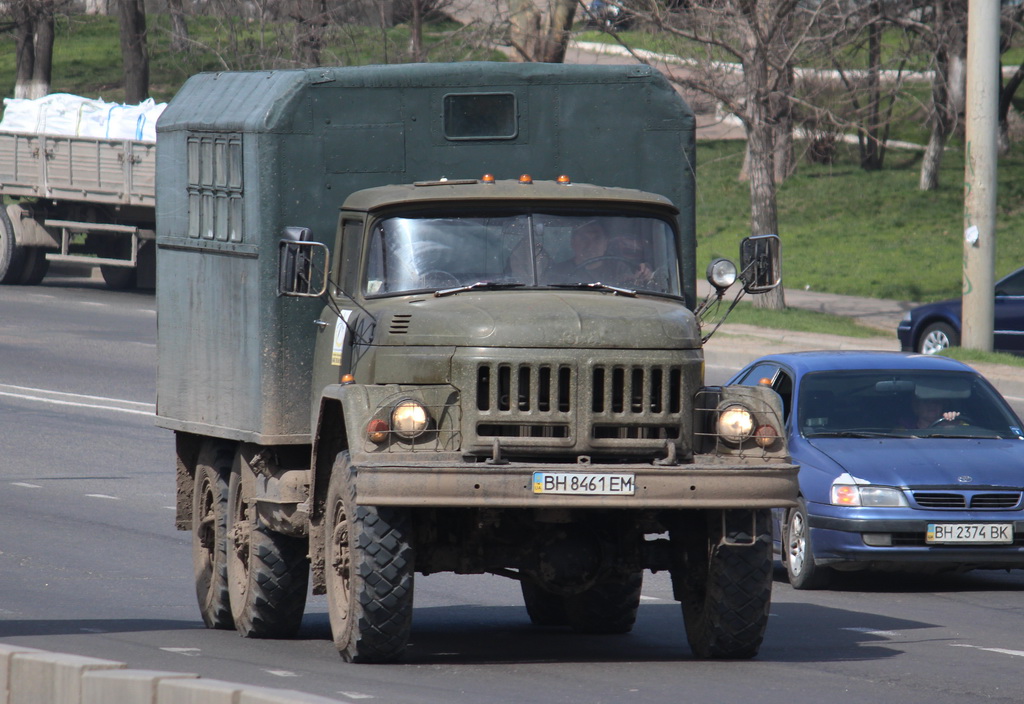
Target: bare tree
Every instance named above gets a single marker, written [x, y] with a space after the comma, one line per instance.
[947, 32]
[763, 38]
[34, 34]
[539, 29]
[134, 50]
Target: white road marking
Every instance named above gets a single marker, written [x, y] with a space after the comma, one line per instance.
[356, 695]
[649, 598]
[188, 652]
[103, 496]
[872, 631]
[26, 485]
[1002, 651]
[60, 398]
[281, 673]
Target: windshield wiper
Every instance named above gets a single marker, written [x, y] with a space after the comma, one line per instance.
[485, 285]
[852, 434]
[598, 286]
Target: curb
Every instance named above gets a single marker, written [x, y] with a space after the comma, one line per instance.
[31, 676]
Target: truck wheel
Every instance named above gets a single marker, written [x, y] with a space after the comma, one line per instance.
[607, 607]
[369, 560]
[543, 607]
[726, 592]
[12, 256]
[35, 266]
[799, 556]
[118, 278]
[209, 533]
[268, 573]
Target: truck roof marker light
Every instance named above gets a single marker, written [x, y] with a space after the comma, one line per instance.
[377, 430]
[347, 379]
[564, 180]
[487, 178]
[526, 179]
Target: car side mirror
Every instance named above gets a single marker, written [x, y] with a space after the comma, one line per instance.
[760, 263]
[302, 264]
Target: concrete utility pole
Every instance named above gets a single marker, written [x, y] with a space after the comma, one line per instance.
[980, 173]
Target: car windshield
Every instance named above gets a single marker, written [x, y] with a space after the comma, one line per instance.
[904, 404]
[528, 249]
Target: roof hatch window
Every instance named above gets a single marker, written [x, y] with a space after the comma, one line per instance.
[469, 116]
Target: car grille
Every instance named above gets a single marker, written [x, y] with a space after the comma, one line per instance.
[978, 500]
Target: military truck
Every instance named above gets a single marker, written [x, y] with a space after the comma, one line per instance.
[429, 318]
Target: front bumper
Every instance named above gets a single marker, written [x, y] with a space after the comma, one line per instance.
[708, 484]
[903, 331]
[838, 541]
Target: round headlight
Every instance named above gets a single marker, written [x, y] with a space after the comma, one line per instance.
[735, 424]
[721, 273]
[409, 419]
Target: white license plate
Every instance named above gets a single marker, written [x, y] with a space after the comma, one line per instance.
[583, 483]
[977, 533]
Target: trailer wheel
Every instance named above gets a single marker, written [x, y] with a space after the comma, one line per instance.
[12, 255]
[35, 267]
[543, 607]
[369, 560]
[118, 278]
[268, 573]
[209, 533]
[725, 591]
[608, 607]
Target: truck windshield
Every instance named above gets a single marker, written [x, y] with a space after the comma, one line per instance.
[532, 249]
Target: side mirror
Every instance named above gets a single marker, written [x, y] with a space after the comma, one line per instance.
[302, 264]
[760, 263]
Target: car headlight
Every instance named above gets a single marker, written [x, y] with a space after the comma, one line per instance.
[409, 419]
[735, 424]
[866, 495]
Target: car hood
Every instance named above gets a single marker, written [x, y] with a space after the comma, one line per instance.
[909, 462]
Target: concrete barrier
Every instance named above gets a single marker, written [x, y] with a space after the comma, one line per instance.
[32, 676]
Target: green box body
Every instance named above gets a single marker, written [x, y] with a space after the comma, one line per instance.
[243, 155]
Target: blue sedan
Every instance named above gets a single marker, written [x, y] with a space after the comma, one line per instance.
[934, 326]
[907, 462]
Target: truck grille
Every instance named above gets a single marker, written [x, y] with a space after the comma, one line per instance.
[587, 406]
[993, 501]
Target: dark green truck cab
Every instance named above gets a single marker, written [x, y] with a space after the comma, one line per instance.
[464, 368]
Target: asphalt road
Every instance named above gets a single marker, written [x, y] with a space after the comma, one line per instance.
[90, 563]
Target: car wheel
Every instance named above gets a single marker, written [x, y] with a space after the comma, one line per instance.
[803, 573]
[937, 337]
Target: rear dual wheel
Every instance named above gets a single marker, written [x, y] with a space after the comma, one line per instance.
[267, 572]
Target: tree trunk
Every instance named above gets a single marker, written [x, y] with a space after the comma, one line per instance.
[535, 40]
[25, 54]
[1005, 103]
[134, 52]
[416, 31]
[179, 27]
[932, 160]
[42, 67]
[763, 213]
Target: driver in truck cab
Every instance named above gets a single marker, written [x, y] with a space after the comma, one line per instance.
[597, 256]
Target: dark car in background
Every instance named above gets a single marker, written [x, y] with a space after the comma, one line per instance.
[935, 326]
[908, 462]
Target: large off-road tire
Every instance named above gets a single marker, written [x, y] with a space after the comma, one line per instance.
[799, 553]
[725, 591]
[118, 278]
[369, 563]
[209, 533]
[12, 255]
[543, 607]
[607, 607]
[268, 573]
